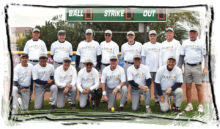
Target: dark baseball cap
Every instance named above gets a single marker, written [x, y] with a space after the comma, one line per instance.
[24, 55]
[60, 32]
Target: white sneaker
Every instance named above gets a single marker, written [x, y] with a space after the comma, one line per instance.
[189, 107]
[200, 108]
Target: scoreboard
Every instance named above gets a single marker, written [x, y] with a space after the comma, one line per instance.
[116, 15]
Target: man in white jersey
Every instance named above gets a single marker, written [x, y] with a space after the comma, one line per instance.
[140, 80]
[192, 53]
[113, 81]
[60, 49]
[34, 47]
[43, 76]
[22, 83]
[65, 80]
[88, 84]
[88, 49]
[150, 57]
[168, 82]
[129, 49]
[170, 47]
[108, 48]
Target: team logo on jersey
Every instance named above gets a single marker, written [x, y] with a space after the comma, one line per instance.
[65, 49]
[172, 77]
[171, 47]
[195, 46]
[140, 75]
[116, 76]
[29, 73]
[39, 46]
[90, 79]
[69, 76]
[48, 72]
[91, 47]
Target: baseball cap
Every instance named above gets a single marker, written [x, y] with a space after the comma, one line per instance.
[195, 29]
[137, 56]
[169, 29]
[89, 31]
[36, 30]
[66, 59]
[88, 61]
[152, 32]
[130, 33]
[24, 55]
[172, 57]
[108, 32]
[113, 57]
[61, 32]
[43, 55]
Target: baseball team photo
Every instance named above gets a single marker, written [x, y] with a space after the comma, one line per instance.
[77, 65]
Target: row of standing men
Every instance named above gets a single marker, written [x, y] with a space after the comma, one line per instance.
[151, 54]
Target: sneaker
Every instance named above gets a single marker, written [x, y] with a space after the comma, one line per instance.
[120, 109]
[189, 107]
[177, 110]
[53, 108]
[73, 106]
[148, 110]
[200, 108]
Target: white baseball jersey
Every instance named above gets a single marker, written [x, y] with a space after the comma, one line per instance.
[34, 49]
[193, 51]
[168, 78]
[42, 73]
[139, 75]
[169, 49]
[152, 53]
[128, 51]
[61, 50]
[88, 50]
[62, 77]
[108, 49]
[23, 75]
[113, 78]
[88, 79]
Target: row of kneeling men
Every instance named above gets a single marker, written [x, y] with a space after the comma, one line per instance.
[64, 82]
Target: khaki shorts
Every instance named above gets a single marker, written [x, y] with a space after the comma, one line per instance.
[193, 74]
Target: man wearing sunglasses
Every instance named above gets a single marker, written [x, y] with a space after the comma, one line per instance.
[87, 84]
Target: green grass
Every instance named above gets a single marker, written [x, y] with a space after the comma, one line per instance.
[103, 108]
[70, 116]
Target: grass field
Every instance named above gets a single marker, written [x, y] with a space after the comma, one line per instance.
[68, 116]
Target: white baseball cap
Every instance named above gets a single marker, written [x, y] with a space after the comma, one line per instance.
[193, 29]
[36, 30]
[113, 57]
[88, 61]
[137, 56]
[152, 32]
[172, 57]
[108, 32]
[67, 59]
[89, 31]
[130, 33]
[169, 29]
